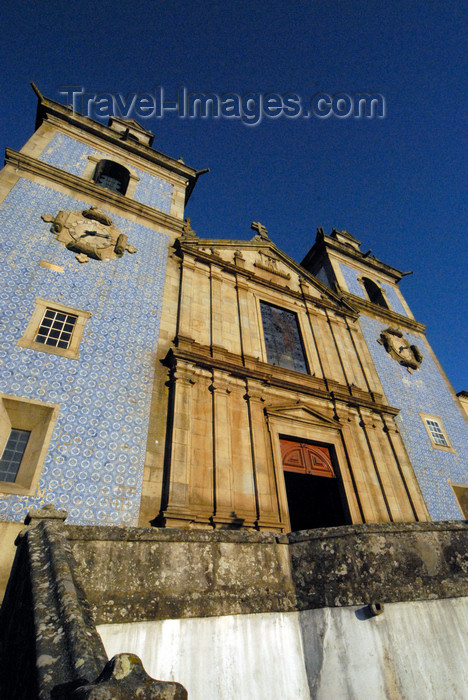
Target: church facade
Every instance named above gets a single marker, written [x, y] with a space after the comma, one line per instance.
[163, 377]
[211, 398]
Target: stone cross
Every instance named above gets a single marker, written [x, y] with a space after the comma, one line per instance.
[260, 229]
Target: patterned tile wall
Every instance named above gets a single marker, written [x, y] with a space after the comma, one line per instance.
[426, 391]
[94, 465]
[72, 156]
[355, 287]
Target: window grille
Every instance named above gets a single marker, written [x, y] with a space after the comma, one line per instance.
[56, 329]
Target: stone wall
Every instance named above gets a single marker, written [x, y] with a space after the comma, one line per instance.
[339, 612]
[135, 574]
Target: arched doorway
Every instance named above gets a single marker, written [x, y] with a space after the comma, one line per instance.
[313, 487]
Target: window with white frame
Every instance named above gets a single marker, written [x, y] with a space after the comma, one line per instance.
[56, 328]
[436, 431]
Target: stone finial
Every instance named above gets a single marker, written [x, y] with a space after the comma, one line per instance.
[187, 230]
[261, 230]
[48, 512]
[124, 677]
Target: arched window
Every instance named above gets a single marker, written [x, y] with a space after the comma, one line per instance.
[374, 292]
[111, 176]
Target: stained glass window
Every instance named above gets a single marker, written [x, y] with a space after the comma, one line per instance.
[283, 340]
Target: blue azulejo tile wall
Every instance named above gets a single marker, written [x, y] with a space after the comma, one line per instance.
[94, 465]
[355, 287]
[72, 156]
[423, 391]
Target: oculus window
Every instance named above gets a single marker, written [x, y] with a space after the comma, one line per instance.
[111, 176]
[283, 341]
[55, 328]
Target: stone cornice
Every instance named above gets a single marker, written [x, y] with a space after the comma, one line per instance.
[382, 314]
[277, 377]
[116, 152]
[49, 107]
[325, 244]
[89, 189]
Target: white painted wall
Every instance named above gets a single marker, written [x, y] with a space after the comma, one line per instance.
[414, 651]
[253, 657]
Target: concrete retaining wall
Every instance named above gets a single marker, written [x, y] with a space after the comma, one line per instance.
[414, 650]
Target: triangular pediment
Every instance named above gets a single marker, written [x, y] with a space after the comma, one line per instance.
[264, 260]
[298, 411]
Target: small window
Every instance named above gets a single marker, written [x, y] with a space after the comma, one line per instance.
[436, 432]
[26, 426]
[13, 454]
[461, 493]
[111, 176]
[55, 328]
[283, 341]
[374, 292]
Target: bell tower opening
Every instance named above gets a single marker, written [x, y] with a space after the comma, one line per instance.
[315, 494]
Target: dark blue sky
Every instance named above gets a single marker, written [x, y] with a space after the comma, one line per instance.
[398, 184]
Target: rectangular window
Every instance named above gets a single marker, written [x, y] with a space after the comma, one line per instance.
[56, 329]
[283, 341]
[26, 427]
[13, 454]
[436, 432]
[461, 493]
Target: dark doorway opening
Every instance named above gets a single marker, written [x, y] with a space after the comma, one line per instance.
[313, 487]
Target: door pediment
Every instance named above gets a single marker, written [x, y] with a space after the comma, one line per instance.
[298, 411]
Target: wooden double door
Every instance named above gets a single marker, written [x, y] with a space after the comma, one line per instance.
[315, 494]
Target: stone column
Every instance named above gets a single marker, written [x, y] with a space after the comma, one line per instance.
[263, 468]
[178, 461]
[222, 450]
[184, 327]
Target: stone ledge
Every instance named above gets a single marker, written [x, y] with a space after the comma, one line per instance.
[91, 533]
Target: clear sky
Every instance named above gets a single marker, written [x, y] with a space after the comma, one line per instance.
[399, 183]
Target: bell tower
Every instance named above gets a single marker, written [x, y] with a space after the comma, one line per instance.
[431, 420]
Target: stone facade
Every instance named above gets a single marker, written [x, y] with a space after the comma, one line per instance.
[228, 407]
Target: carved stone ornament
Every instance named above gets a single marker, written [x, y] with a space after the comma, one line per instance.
[399, 348]
[187, 230]
[90, 234]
